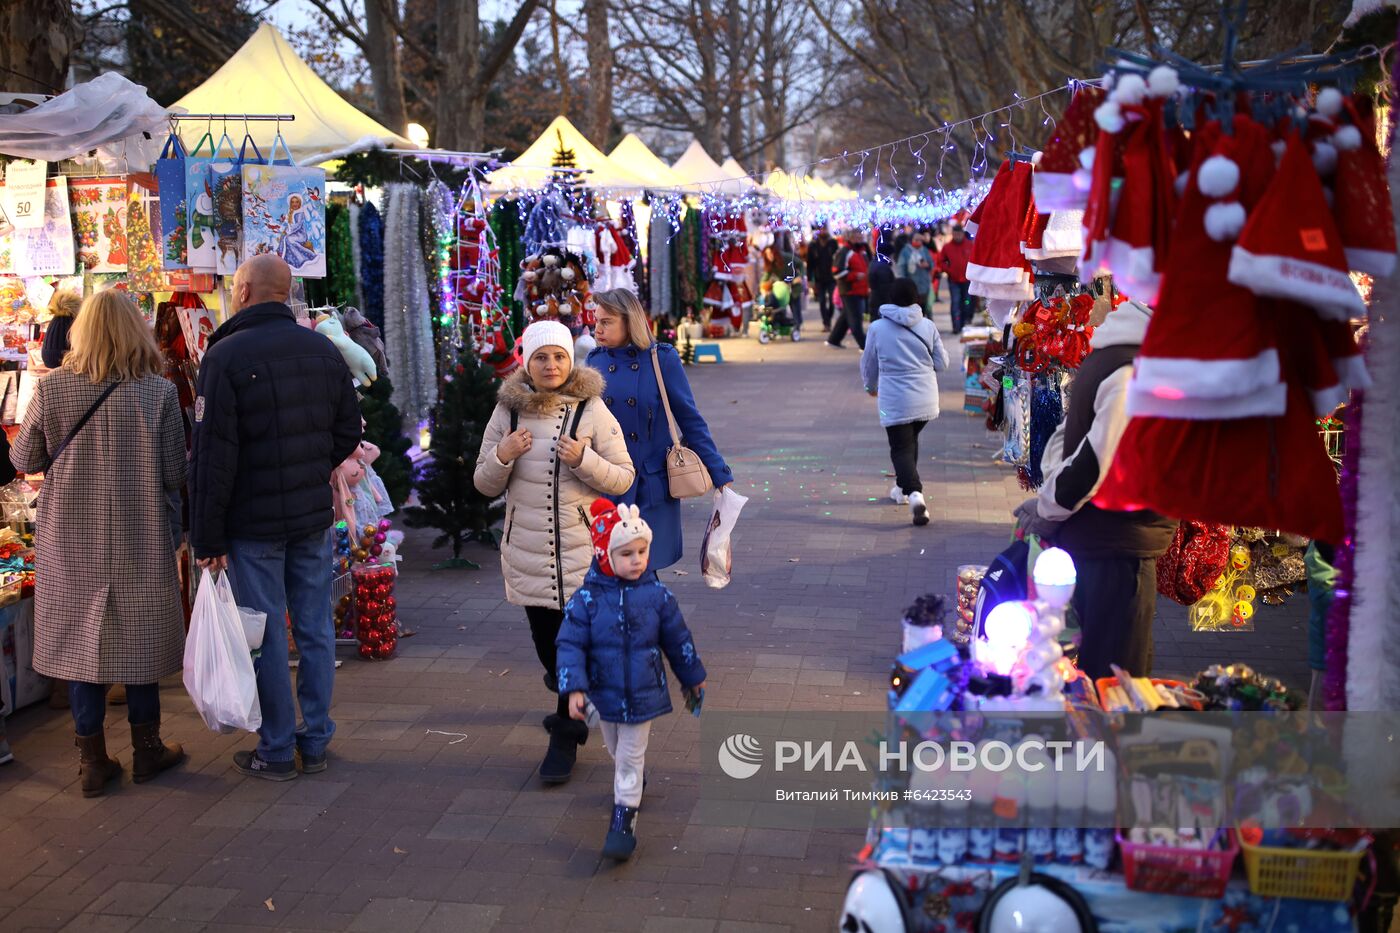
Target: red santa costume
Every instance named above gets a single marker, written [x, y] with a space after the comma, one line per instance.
[728, 293]
[615, 260]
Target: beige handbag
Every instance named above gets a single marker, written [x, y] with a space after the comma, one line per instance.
[685, 474]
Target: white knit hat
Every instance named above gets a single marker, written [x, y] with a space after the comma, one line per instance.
[547, 334]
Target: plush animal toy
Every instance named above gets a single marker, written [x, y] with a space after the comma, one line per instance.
[356, 357]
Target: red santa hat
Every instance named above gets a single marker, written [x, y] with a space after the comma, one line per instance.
[1055, 235]
[612, 527]
[1135, 250]
[1056, 186]
[1290, 247]
[998, 268]
[1206, 354]
[1361, 198]
[974, 220]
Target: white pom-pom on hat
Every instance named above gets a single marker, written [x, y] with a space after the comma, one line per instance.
[1225, 220]
[1329, 101]
[1324, 157]
[1347, 138]
[1131, 89]
[1036, 157]
[1109, 116]
[1218, 176]
[1086, 158]
[1163, 81]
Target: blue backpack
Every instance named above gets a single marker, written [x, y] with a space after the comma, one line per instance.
[1006, 580]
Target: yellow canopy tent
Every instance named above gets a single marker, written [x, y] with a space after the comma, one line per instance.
[635, 156]
[266, 76]
[695, 169]
[733, 170]
[532, 168]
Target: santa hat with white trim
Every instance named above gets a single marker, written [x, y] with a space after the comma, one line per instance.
[1361, 198]
[1290, 247]
[998, 268]
[1061, 178]
[1231, 369]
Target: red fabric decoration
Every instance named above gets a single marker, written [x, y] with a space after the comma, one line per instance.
[1196, 558]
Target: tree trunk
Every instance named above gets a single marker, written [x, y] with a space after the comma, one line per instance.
[461, 105]
[382, 54]
[598, 116]
[561, 68]
[734, 40]
[37, 37]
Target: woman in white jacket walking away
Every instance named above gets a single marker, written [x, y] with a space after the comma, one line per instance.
[552, 447]
[903, 355]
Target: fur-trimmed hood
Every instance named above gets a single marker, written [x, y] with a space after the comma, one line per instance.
[519, 395]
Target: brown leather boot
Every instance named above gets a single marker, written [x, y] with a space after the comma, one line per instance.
[94, 765]
[149, 755]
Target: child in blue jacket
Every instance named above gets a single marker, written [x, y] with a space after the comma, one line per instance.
[616, 628]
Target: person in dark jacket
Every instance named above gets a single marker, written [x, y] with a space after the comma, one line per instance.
[275, 413]
[821, 257]
[64, 307]
[853, 279]
[616, 629]
[1115, 553]
[882, 279]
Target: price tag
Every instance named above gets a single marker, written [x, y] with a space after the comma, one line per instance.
[24, 193]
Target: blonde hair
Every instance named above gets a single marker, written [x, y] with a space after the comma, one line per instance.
[623, 302]
[111, 339]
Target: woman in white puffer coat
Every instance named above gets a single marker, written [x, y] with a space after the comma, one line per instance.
[552, 447]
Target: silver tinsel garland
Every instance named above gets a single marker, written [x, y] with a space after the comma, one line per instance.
[659, 260]
[408, 334]
[355, 252]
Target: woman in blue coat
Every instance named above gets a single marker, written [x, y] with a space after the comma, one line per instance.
[623, 357]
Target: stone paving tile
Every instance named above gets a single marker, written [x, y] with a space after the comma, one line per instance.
[412, 829]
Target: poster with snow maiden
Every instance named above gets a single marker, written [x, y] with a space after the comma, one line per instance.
[284, 212]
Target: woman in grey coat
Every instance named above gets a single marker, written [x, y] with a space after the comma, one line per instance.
[106, 600]
[903, 355]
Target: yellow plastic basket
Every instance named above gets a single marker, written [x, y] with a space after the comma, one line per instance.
[1304, 873]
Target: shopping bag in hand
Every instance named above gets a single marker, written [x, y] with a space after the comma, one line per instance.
[219, 672]
[717, 550]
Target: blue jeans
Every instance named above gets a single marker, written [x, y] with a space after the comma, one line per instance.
[961, 305]
[89, 705]
[280, 578]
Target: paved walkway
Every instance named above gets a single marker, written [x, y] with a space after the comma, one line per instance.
[430, 816]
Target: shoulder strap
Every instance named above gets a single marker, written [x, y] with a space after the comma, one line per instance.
[578, 416]
[514, 421]
[87, 416]
[665, 399]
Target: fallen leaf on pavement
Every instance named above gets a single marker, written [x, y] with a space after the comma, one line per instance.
[269, 905]
[398, 851]
[793, 560]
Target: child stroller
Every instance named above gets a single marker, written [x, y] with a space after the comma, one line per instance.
[775, 314]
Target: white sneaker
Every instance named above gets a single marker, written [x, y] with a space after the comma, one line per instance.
[897, 496]
[918, 508]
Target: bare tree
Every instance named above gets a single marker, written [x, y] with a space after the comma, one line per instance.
[598, 106]
[382, 54]
[37, 39]
[461, 104]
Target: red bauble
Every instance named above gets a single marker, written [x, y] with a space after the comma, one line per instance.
[391, 604]
[384, 651]
[366, 652]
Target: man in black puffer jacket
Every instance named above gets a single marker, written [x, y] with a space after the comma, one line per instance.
[276, 412]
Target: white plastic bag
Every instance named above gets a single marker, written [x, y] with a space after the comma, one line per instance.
[219, 672]
[717, 550]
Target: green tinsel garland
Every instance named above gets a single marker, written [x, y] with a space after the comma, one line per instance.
[505, 224]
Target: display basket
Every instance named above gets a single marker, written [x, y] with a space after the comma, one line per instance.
[343, 585]
[1310, 874]
[1172, 870]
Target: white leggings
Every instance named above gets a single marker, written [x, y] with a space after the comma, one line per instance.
[627, 743]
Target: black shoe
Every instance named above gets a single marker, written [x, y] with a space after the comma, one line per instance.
[311, 764]
[250, 764]
[622, 837]
[565, 736]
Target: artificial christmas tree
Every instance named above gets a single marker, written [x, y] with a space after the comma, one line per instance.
[448, 497]
[384, 429]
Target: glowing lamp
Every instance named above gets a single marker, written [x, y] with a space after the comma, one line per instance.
[418, 135]
[1054, 577]
[1005, 632]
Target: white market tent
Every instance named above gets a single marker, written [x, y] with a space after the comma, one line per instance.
[532, 168]
[634, 155]
[696, 169]
[732, 169]
[267, 77]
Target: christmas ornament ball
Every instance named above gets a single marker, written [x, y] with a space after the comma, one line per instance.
[366, 652]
